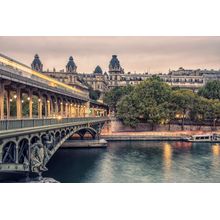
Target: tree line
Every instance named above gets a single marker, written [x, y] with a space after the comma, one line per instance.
[156, 102]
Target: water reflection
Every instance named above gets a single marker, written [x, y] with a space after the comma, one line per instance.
[167, 157]
[138, 161]
[216, 149]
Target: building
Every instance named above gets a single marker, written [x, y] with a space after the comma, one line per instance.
[116, 76]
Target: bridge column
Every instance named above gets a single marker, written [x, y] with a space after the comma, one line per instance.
[87, 109]
[61, 107]
[2, 89]
[40, 104]
[18, 103]
[79, 113]
[48, 107]
[8, 105]
[66, 110]
[56, 106]
[71, 109]
[74, 109]
[30, 104]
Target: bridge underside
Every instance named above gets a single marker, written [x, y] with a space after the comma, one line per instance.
[31, 149]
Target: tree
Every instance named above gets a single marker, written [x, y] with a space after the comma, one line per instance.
[94, 94]
[113, 96]
[211, 90]
[146, 102]
[127, 111]
[183, 101]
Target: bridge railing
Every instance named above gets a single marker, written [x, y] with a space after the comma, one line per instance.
[30, 123]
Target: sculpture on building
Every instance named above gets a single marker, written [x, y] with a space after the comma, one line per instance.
[39, 157]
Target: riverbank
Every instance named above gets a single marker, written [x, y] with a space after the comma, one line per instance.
[151, 135]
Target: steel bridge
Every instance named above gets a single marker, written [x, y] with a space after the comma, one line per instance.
[38, 114]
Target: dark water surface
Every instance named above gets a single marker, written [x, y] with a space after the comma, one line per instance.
[138, 161]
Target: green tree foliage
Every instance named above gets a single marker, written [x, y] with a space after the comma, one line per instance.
[211, 90]
[114, 95]
[183, 101]
[94, 94]
[154, 101]
[148, 102]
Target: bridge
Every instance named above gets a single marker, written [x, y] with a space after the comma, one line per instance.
[38, 114]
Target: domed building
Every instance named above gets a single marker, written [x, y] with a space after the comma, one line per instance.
[98, 70]
[71, 66]
[114, 66]
[36, 64]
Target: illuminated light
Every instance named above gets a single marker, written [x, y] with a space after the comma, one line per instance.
[167, 155]
[32, 102]
[10, 100]
[71, 104]
[48, 101]
[59, 117]
[39, 100]
[28, 98]
[15, 96]
[61, 103]
[22, 101]
[216, 150]
[55, 102]
[66, 103]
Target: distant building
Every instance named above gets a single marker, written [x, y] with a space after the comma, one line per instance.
[116, 76]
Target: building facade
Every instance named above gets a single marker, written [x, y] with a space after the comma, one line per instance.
[116, 76]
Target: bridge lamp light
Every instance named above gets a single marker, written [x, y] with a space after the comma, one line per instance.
[22, 101]
[39, 100]
[48, 101]
[59, 117]
[15, 96]
[61, 103]
[28, 98]
[10, 100]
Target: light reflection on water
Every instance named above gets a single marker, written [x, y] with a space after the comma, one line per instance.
[138, 161]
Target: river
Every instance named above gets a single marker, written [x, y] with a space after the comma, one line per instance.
[138, 162]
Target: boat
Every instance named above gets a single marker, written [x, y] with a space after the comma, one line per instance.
[204, 138]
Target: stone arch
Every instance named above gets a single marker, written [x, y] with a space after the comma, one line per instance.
[34, 139]
[9, 152]
[23, 150]
[67, 131]
[57, 137]
[83, 130]
[63, 134]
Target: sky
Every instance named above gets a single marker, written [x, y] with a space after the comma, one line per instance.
[136, 54]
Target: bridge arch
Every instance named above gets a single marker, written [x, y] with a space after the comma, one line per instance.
[23, 150]
[9, 152]
[83, 130]
[34, 139]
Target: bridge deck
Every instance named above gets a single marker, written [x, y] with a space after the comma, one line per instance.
[11, 128]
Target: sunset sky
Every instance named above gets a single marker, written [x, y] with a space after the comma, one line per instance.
[136, 54]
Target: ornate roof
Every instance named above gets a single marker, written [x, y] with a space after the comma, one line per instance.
[114, 63]
[36, 64]
[98, 69]
[71, 66]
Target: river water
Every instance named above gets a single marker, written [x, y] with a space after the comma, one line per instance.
[138, 162]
